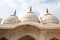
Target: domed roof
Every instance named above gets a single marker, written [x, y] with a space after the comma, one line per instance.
[48, 18]
[30, 16]
[12, 19]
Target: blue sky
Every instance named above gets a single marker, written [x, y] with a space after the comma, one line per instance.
[7, 7]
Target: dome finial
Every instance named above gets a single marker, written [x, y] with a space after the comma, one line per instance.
[15, 13]
[46, 10]
[30, 9]
[0, 20]
[41, 20]
[47, 13]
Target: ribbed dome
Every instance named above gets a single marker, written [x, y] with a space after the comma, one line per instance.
[12, 19]
[48, 18]
[30, 16]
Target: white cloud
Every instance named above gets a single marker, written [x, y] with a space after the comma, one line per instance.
[24, 6]
[39, 5]
[21, 15]
[9, 3]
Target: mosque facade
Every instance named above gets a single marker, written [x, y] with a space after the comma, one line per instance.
[30, 27]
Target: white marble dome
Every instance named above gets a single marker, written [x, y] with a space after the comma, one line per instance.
[12, 19]
[30, 16]
[49, 18]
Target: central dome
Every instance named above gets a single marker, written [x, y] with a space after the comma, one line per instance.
[30, 16]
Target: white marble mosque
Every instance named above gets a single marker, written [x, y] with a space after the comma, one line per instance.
[30, 27]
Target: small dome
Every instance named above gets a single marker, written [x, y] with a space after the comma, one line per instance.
[12, 19]
[48, 18]
[30, 16]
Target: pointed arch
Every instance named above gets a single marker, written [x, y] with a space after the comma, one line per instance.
[26, 37]
[54, 39]
[3, 38]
